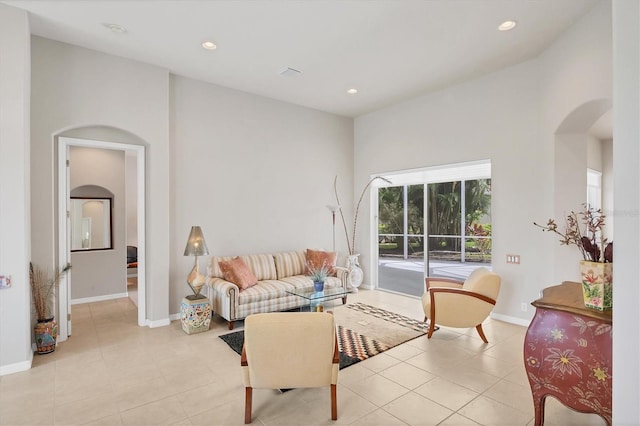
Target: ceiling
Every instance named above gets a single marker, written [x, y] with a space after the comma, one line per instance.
[389, 50]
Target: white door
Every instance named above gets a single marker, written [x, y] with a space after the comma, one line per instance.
[64, 241]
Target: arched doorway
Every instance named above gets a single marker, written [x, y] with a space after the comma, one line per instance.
[133, 146]
[582, 141]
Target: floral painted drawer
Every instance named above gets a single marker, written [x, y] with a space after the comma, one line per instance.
[567, 353]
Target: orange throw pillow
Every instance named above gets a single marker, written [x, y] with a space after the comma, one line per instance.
[316, 258]
[237, 272]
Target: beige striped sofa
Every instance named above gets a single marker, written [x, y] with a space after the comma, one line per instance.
[275, 272]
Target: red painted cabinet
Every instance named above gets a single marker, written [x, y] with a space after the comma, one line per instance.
[567, 353]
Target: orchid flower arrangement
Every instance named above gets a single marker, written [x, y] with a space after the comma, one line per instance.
[584, 230]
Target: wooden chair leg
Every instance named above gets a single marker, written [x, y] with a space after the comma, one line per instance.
[230, 325]
[248, 396]
[432, 327]
[481, 333]
[538, 408]
[334, 403]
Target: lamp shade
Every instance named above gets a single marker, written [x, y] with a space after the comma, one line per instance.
[196, 246]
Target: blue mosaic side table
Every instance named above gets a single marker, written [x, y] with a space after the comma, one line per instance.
[195, 314]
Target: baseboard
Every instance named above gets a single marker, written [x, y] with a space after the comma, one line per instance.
[174, 317]
[158, 323]
[510, 319]
[99, 298]
[17, 367]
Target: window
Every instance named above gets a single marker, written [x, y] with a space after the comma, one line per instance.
[594, 188]
[433, 222]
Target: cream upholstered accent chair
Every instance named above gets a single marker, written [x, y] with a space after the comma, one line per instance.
[461, 304]
[285, 350]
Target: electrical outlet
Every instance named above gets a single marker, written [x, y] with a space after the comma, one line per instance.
[513, 258]
[5, 281]
[523, 306]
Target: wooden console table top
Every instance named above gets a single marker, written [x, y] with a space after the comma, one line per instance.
[567, 297]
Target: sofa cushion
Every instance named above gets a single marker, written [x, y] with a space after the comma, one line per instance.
[213, 268]
[316, 258]
[262, 265]
[290, 263]
[263, 292]
[237, 272]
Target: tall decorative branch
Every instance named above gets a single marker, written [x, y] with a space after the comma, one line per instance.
[344, 223]
[351, 244]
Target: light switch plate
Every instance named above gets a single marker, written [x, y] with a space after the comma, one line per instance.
[513, 258]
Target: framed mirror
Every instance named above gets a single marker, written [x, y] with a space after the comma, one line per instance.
[91, 224]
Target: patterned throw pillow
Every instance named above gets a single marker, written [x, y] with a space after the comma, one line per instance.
[237, 272]
[316, 258]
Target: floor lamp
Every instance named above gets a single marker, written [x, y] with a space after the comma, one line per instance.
[334, 210]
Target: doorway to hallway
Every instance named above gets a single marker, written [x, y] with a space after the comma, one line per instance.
[65, 247]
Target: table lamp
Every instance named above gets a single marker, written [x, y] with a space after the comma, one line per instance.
[196, 246]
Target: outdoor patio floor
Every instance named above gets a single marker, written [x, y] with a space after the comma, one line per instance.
[406, 276]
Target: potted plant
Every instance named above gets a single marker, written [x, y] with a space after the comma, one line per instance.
[43, 287]
[318, 275]
[584, 230]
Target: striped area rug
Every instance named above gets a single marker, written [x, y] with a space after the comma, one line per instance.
[363, 331]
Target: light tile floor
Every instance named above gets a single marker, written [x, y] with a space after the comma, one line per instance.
[112, 372]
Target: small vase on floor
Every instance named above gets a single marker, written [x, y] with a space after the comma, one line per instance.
[355, 272]
[46, 333]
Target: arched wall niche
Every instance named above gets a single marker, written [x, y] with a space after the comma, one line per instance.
[575, 150]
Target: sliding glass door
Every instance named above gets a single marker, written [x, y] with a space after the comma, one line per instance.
[401, 239]
[459, 227]
[440, 229]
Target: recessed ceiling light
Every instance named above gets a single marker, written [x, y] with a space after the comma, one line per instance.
[115, 28]
[209, 45]
[507, 25]
[352, 91]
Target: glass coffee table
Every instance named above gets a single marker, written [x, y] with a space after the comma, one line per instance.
[317, 301]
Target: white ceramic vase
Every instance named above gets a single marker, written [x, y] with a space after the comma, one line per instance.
[355, 272]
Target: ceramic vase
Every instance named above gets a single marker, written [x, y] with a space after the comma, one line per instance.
[46, 333]
[318, 286]
[355, 272]
[597, 281]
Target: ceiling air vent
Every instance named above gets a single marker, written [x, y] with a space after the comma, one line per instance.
[289, 72]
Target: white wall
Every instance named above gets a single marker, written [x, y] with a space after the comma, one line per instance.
[131, 190]
[490, 118]
[626, 158]
[73, 87]
[256, 174]
[100, 272]
[607, 187]
[510, 117]
[576, 75]
[594, 153]
[235, 158]
[15, 302]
